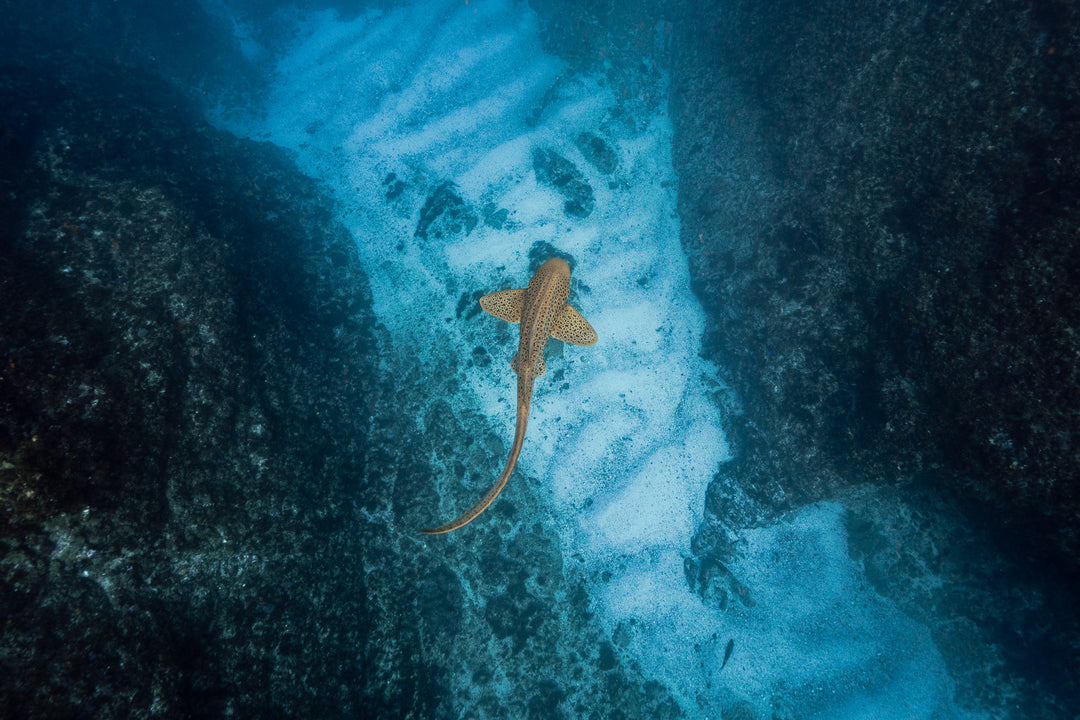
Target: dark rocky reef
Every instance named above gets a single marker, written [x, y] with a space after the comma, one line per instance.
[626, 42]
[179, 42]
[186, 399]
[214, 463]
[880, 206]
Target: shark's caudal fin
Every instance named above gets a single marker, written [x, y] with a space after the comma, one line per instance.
[469, 515]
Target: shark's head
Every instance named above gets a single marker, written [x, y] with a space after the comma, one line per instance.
[554, 266]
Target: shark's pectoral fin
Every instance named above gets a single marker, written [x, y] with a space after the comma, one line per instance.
[505, 304]
[513, 363]
[572, 328]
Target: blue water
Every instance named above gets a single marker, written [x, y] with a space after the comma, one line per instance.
[397, 107]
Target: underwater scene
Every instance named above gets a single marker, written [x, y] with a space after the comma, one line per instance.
[537, 359]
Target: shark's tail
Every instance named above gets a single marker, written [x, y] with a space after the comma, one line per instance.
[469, 515]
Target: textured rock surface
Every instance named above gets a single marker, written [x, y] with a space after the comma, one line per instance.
[187, 395]
[880, 207]
[886, 241]
[213, 463]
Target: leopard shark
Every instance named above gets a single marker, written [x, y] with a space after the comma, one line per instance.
[543, 311]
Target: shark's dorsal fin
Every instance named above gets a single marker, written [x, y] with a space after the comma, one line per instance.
[574, 329]
[505, 304]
